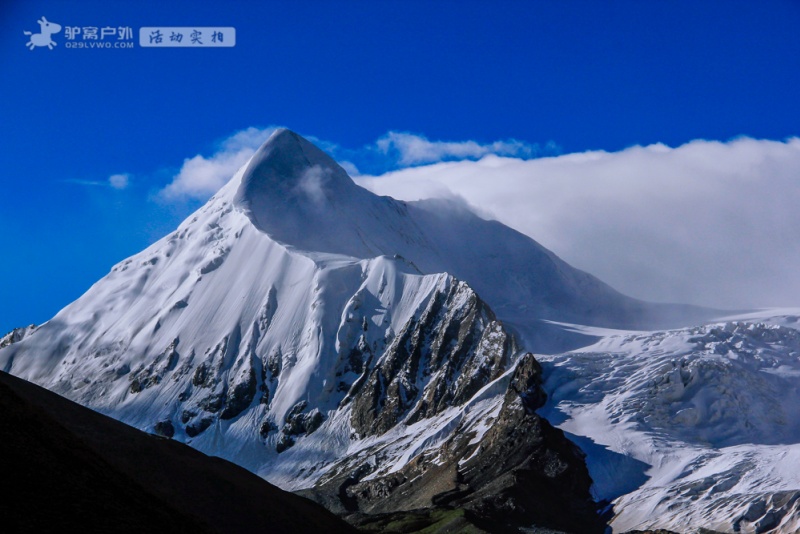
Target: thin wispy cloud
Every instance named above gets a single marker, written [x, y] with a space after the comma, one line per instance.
[115, 181]
[398, 150]
[412, 149]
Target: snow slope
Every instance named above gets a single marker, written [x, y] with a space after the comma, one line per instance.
[697, 427]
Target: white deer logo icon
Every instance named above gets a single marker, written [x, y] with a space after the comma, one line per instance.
[43, 37]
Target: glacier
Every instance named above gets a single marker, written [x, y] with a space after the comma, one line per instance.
[688, 428]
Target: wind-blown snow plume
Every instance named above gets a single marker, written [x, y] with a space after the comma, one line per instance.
[312, 182]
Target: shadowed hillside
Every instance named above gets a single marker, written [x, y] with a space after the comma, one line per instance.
[66, 467]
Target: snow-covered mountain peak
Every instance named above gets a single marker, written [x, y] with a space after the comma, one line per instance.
[289, 168]
[299, 196]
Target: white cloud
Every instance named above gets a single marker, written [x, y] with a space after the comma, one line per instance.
[200, 176]
[709, 223]
[119, 181]
[410, 149]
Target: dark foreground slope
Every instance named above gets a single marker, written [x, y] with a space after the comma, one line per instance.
[68, 468]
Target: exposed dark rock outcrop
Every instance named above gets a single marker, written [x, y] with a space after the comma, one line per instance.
[153, 374]
[239, 396]
[522, 472]
[442, 359]
[297, 423]
[198, 426]
[16, 335]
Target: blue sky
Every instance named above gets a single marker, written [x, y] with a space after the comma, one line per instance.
[564, 77]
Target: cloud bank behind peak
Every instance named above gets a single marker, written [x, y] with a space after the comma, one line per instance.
[710, 223]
